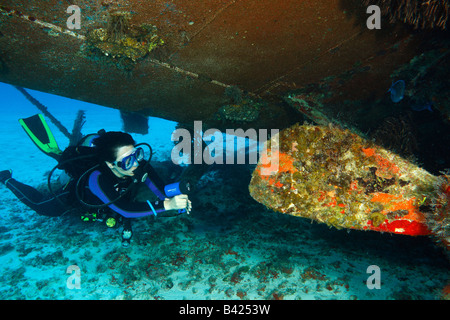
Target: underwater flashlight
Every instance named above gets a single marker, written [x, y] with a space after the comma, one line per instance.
[177, 188]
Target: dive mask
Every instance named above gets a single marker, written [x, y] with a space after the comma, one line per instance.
[129, 161]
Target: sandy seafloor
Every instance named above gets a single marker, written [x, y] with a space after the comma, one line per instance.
[230, 247]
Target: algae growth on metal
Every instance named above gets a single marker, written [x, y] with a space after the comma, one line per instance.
[119, 40]
[336, 177]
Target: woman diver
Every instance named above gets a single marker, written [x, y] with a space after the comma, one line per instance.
[105, 189]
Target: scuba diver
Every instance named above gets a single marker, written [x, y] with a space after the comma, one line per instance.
[107, 176]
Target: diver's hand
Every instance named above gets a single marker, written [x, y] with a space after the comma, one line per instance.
[178, 202]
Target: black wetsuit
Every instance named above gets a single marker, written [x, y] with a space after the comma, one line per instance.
[101, 187]
[43, 204]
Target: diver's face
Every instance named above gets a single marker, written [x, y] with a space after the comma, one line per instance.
[121, 153]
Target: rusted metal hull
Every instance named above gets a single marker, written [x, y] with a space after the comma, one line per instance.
[266, 48]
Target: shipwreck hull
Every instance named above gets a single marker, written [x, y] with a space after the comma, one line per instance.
[265, 48]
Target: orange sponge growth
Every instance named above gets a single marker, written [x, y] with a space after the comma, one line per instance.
[336, 177]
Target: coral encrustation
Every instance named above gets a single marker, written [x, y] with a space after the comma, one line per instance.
[336, 177]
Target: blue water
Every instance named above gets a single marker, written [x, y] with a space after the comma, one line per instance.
[230, 247]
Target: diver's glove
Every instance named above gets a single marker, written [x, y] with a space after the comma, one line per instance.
[178, 202]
